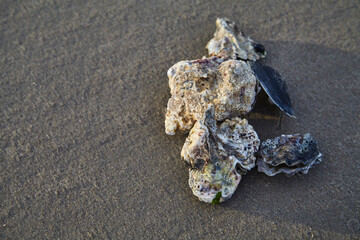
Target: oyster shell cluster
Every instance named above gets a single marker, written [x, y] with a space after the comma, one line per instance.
[207, 97]
[230, 85]
[219, 154]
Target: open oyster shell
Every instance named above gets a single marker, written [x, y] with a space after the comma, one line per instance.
[228, 41]
[228, 84]
[219, 155]
[288, 154]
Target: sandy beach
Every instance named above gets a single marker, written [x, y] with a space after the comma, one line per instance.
[83, 94]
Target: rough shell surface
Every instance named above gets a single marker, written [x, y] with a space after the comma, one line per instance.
[208, 94]
[288, 154]
[228, 84]
[229, 42]
[218, 154]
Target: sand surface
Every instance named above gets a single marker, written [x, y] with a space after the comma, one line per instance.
[83, 92]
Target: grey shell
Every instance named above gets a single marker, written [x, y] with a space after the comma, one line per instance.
[288, 154]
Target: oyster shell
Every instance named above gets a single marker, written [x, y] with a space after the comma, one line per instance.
[218, 155]
[208, 94]
[229, 42]
[228, 84]
[288, 154]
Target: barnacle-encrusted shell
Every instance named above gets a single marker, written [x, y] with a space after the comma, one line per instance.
[228, 41]
[207, 183]
[229, 84]
[218, 155]
[236, 89]
[288, 154]
[208, 94]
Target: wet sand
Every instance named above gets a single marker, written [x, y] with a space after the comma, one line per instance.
[83, 92]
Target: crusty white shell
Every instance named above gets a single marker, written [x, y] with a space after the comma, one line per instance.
[218, 154]
[229, 42]
[207, 183]
[208, 94]
[236, 89]
[228, 84]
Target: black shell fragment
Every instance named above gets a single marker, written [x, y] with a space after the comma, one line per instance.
[259, 48]
[288, 154]
[275, 88]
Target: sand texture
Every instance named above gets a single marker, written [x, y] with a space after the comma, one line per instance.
[83, 94]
